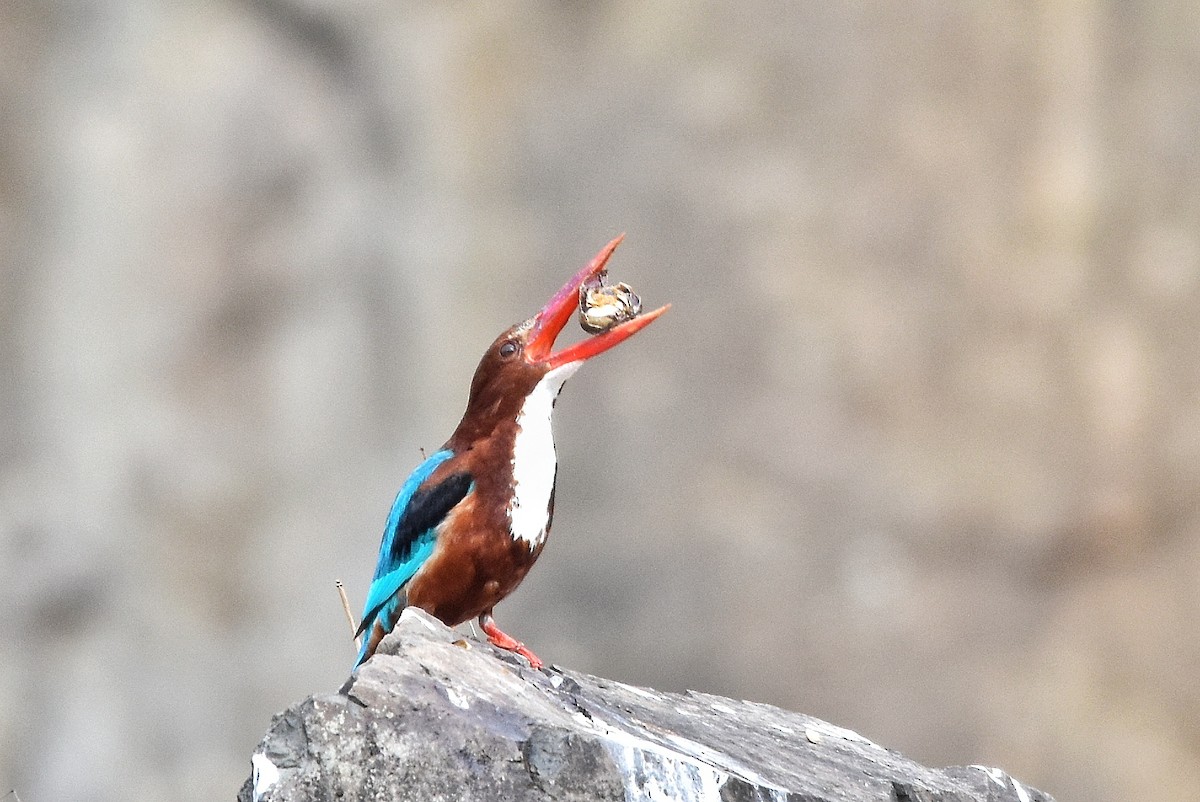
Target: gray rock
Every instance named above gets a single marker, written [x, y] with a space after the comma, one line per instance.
[434, 717]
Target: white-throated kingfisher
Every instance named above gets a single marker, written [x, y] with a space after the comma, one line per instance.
[471, 520]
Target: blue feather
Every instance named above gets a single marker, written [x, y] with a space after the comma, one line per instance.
[408, 541]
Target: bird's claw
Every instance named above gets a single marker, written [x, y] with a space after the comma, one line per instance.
[535, 662]
[502, 640]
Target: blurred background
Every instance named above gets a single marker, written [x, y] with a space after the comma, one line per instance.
[916, 451]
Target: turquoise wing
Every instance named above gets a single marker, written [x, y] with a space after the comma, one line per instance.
[409, 539]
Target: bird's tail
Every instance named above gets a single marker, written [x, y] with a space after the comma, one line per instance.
[376, 624]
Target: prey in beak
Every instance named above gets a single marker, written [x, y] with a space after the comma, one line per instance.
[553, 317]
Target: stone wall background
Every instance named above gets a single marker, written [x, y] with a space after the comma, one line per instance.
[915, 452]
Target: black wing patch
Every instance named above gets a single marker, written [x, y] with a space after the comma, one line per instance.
[426, 510]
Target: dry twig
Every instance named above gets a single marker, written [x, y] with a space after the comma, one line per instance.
[349, 615]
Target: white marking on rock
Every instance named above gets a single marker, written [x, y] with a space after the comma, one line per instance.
[265, 775]
[683, 771]
[723, 761]
[457, 699]
[834, 731]
[421, 617]
[639, 691]
[534, 460]
[655, 773]
[1002, 778]
[995, 775]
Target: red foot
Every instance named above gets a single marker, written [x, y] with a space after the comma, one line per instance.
[503, 641]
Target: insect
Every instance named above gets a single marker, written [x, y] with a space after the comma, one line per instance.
[601, 307]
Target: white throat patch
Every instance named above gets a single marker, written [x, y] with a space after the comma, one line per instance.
[534, 461]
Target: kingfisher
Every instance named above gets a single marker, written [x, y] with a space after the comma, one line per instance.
[472, 519]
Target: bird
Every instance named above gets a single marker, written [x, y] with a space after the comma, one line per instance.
[473, 517]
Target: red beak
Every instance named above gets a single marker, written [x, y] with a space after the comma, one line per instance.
[558, 310]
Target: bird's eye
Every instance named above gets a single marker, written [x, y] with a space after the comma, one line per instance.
[509, 349]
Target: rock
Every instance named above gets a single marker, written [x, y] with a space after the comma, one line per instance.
[434, 717]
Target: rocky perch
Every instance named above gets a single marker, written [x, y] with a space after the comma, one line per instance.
[434, 717]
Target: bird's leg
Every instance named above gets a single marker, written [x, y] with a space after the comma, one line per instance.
[497, 637]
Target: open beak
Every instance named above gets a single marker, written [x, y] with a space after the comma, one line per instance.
[558, 310]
